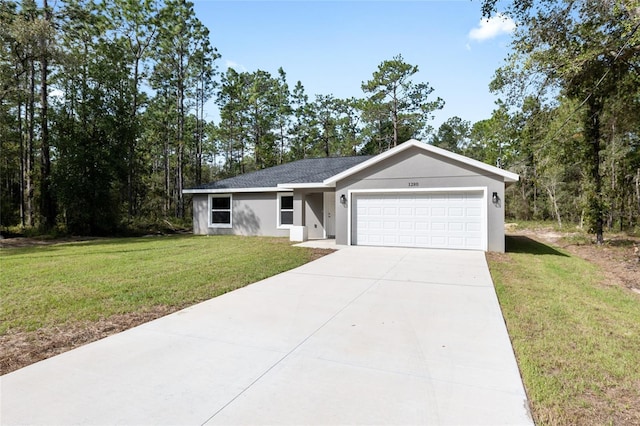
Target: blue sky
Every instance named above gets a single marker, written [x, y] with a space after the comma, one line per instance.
[333, 46]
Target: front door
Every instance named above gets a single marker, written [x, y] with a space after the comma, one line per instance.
[329, 214]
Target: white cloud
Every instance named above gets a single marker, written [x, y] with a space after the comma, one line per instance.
[492, 27]
[236, 66]
[56, 94]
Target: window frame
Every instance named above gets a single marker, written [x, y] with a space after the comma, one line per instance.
[279, 210]
[230, 210]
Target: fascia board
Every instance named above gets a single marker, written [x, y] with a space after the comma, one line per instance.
[304, 185]
[230, 190]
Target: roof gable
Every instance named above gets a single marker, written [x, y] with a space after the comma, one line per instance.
[507, 176]
[327, 171]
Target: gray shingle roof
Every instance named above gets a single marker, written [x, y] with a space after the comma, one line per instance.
[309, 170]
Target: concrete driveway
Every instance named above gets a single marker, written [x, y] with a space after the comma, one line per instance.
[363, 336]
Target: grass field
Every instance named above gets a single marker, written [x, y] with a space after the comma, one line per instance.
[54, 285]
[577, 341]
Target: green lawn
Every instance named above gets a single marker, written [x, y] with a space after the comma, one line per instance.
[577, 342]
[84, 281]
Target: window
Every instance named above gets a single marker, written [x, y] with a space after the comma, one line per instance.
[220, 208]
[285, 210]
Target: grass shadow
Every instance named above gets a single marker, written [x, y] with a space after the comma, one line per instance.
[522, 244]
[59, 247]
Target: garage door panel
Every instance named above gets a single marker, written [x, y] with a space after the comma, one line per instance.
[457, 242]
[392, 201]
[374, 239]
[473, 227]
[422, 226]
[390, 240]
[456, 212]
[436, 220]
[473, 242]
[405, 239]
[389, 225]
[406, 226]
[421, 241]
[438, 241]
[456, 227]
[438, 226]
[473, 212]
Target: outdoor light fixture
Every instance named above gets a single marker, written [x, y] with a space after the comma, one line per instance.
[495, 198]
[343, 199]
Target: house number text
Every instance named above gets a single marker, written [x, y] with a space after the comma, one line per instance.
[414, 184]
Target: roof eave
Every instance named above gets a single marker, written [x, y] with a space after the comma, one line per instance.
[229, 190]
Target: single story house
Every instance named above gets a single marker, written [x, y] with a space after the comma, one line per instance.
[414, 195]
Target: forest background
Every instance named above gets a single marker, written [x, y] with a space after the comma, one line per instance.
[103, 123]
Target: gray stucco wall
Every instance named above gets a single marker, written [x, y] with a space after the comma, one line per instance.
[416, 169]
[253, 214]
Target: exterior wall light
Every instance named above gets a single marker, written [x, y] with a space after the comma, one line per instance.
[495, 198]
[343, 199]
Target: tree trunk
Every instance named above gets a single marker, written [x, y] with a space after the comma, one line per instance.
[552, 194]
[167, 172]
[281, 158]
[199, 131]
[131, 164]
[23, 166]
[230, 147]
[47, 208]
[394, 116]
[592, 133]
[327, 149]
[638, 189]
[30, 121]
[179, 160]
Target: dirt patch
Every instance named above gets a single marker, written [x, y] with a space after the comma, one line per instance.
[19, 242]
[317, 253]
[618, 257]
[19, 349]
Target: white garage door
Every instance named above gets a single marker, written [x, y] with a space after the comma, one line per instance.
[452, 220]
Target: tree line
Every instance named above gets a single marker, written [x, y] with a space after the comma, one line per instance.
[103, 116]
[572, 91]
[569, 119]
[99, 110]
[103, 120]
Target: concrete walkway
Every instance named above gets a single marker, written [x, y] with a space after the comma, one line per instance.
[362, 336]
